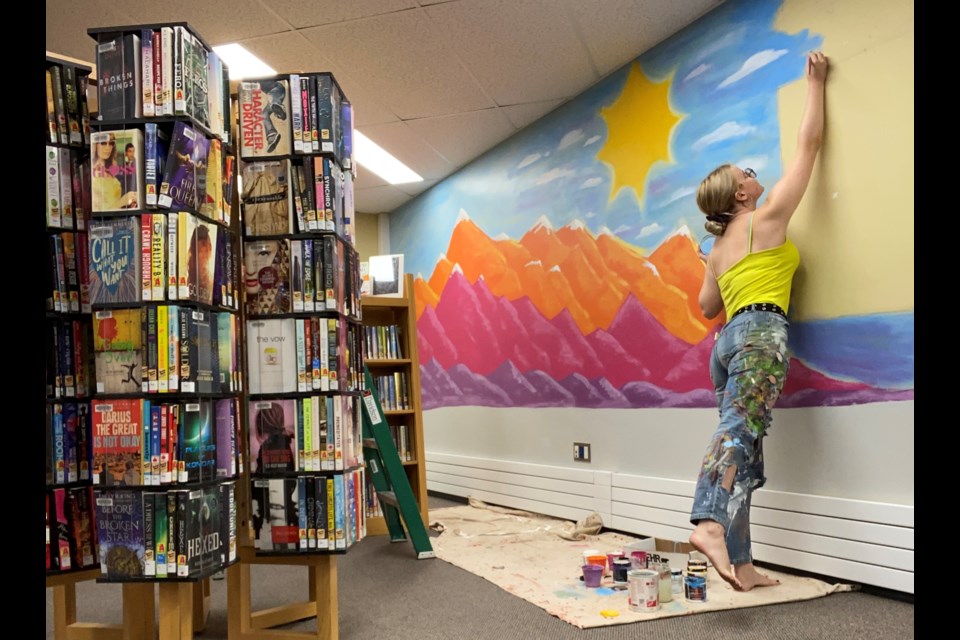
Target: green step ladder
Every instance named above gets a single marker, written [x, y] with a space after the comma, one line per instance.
[389, 479]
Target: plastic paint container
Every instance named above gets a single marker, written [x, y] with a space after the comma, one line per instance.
[592, 575]
[695, 588]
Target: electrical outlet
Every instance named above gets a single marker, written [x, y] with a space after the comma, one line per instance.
[581, 452]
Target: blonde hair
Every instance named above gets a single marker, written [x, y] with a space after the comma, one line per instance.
[716, 197]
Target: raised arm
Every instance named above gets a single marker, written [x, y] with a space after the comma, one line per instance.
[785, 196]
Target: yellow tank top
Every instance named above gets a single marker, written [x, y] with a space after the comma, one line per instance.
[762, 276]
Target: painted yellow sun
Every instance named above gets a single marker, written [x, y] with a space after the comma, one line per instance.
[638, 131]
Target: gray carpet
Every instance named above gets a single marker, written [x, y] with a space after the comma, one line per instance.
[386, 594]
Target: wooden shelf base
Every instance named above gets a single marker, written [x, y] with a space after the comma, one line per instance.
[184, 607]
[246, 624]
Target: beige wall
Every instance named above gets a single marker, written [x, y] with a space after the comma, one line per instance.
[854, 227]
[368, 235]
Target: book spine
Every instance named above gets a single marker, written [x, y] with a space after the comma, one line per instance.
[308, 275]
[66, 189]
[314, 127]
[169, 61]
[173, 247]
[297, 115]
[180, 64]
[54, 216]
[150, 178]
[146, 260]
[147, 69]
[163, 349]
[153, 385]
[157, 45]
[157, 254]
[173, 353]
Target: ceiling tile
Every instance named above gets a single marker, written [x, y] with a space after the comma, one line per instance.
[217, 22]
[617, 31]
[379, 199]
[311, 13]
[416, 188]
[401, 59]
[292, 53]
[401, 141]
[367, 108]
[462, 137]
[367, 179]
[68, 21]
[519, 50]
[287, 52]
[523, 114]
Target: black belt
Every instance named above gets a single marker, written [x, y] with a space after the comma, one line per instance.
[760, 306]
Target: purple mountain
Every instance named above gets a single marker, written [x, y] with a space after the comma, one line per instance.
[476, 389]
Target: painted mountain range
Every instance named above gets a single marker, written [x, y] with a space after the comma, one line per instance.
[563, 318]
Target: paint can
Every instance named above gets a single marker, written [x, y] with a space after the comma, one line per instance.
[695, 581]
[643, 590]
[621, 566]
[695, 588]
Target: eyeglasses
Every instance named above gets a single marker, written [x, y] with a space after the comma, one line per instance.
[750, 173]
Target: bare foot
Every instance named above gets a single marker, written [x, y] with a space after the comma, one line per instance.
[709, 540]
[749, 577]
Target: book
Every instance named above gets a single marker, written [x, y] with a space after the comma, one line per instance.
[202, 260]
[115, 260]
[119, 77]
[264, 118]
[266, 198]
[210, 204]
[267, 276]
[119, 516]
[117, 169]
[273, 436]
[271, 356]
[157, 147]
[117, 428]
[186, 164]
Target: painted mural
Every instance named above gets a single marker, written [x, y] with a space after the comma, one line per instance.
[560, 269]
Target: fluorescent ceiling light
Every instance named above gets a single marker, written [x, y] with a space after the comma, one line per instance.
[242, 63]
[376, 159]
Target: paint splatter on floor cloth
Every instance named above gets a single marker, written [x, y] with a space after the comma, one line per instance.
[524, 555]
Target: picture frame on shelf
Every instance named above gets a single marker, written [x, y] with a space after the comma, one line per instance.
[386, 275]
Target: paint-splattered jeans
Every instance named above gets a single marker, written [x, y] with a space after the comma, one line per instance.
[748, 367]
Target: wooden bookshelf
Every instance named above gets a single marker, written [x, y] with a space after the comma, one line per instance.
[381, 311]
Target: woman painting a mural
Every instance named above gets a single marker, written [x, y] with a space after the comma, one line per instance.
[749, 274]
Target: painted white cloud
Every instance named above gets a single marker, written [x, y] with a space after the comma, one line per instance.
[591, 182]
[753, 63]
[591, 140]
[724, 132]
[731, 38]
[650, 229]
[590, 214]
[553, 174]
[569, 138]
[757, 163]
[529, 160]
[619, 230]
[696, 72]
[683, 192]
